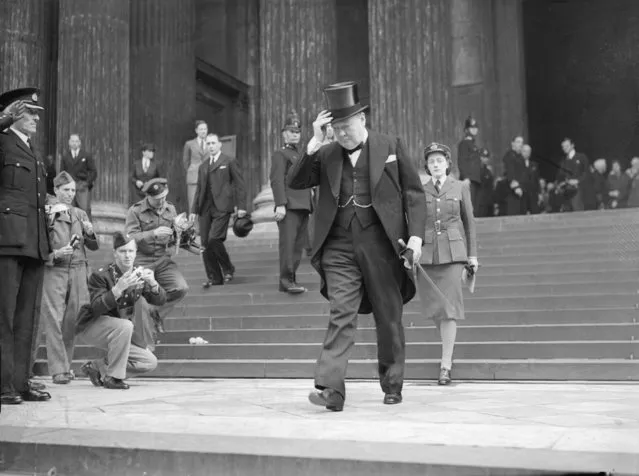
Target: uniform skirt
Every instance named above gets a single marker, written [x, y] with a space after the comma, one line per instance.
[447, 279]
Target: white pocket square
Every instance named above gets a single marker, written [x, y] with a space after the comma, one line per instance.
[391, 158]
[222, 167]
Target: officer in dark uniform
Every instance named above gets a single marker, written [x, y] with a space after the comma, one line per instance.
[486, 194]
[24, 243]
[150, 224]
[469, 163]
[292, 207]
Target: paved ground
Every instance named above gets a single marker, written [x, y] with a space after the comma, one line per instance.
[596, 421]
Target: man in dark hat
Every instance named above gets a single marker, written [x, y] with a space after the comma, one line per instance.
[24, 243]
[370, 197]
[145, 169]
[292, 207]
[220, 191]
[106, 323]
[469, 163]
[150, 223]
[80, 164]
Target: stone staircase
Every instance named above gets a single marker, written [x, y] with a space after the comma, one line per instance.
[556, 299]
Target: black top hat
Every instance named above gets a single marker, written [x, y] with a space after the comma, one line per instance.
[242, 226]
[292, 122]
[436, 147]
[28, 95]
[343, 100]
[470, 122]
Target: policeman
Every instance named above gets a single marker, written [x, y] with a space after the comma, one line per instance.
[292, 207]
[150, 223]
[24, 243]
[469, 162]
[106, 323]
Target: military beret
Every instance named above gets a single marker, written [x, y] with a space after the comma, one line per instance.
[436, 147]
[156, 188]
[28, 95]
[470, 122]
[62, 178]
[120, 239]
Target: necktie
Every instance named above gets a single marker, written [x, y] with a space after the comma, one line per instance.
[201, 144]
[354, 149]
[29, 144]
[437, 185]
[145, 165]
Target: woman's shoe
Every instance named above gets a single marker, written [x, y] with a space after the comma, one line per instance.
[444, 377]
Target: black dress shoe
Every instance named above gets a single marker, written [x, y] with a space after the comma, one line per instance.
[32, 395]
[157, 321]
[444, 377]
[10, 399]
[392, 398]
[36, 385]
[208, 284]
[292, 288]
[115, 383]
[228, 277]
[94, 374]
[329, 398]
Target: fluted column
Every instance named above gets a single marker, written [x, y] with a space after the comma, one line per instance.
[93, 97]
[410, 74]
[23, 52]
[163, 85]
[298, 58]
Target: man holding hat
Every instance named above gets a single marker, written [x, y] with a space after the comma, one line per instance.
[469, 162]
[292, 207]
[150, 223]
[145, 169]
[65, 276]
[106, 323]
[24, 243]
[370, 197]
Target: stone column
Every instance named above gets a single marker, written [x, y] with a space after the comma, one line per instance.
[410, 74]
[163, 86]
[93, 98]
[298, 58]
[23, 53]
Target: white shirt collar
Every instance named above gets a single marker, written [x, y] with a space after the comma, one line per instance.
[216, 156]
[21, 135]
[441, 180]
[571, 154]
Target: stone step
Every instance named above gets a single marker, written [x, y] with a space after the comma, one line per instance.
[624, 349]
[314, 303]
[466, 333]
[495, 317]
[537, 368]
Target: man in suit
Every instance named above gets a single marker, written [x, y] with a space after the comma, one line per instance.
[24, 243]
[292, 207]
[513, 172]
[530, 182]
[571, 171]
[220, 187]
[144, 169]
[80, 164]
[486, 194]
[106, 322]
[469, 163]
[370, 197]
[194, 154]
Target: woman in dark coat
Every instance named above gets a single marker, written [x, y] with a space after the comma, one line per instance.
[449, 246]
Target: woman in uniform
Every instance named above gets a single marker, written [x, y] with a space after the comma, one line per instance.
[449, 246]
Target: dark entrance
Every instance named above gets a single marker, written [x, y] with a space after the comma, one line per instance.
[582, 77]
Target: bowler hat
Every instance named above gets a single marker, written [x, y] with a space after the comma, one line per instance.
[292, 122]
[28, 95]
[242, 226]
[343, 100]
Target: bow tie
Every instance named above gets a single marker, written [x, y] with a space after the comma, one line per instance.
[354, 149]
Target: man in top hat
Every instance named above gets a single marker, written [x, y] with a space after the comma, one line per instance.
[220, 191]
[150, 223]
[145, 169]
[106, 323]
[292, 207]
[370, 197]
[80, 164]
[468, 160]
[24, 244]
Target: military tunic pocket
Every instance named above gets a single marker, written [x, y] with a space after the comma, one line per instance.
[17, 174]
[13, 227]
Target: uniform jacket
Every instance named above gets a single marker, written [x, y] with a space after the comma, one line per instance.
[23, 193]
[396, 193]
[449, 223]
[468, 160]
[141, 220]
[284, 195]
[5, 122]
[193, 153]
[139, 174]
[103, 302]
[62, 226]
[82, 168]
[228, 185]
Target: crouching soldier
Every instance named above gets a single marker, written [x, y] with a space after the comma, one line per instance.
[106, 322]
[65, 276]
